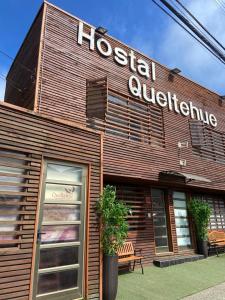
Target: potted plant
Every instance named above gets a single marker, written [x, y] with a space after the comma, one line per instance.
[114, 229]
[200, 212]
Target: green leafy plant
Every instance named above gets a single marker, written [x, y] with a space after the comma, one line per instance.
[200, 212]
[113, 215]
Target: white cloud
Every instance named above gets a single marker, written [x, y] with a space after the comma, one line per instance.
[182, 51]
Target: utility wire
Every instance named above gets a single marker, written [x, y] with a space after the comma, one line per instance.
[222, 3]
[10, 82]
[200, 24]
[191, 21]
[191, 34]
[220, 6]
[208, 44]
[17, 62]
[193, 29]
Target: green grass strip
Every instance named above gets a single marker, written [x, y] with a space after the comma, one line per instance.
[173, 282]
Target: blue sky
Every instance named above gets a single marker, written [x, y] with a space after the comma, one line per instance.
[138, 23]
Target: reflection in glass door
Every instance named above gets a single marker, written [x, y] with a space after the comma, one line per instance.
[181, 219]
[160, 221]
[59, 267]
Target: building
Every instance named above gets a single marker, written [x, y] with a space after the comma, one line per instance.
[92, 111]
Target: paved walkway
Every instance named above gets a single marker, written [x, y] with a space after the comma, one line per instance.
[214, 293]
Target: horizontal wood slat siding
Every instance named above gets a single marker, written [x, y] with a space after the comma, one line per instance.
[207, 143]
[36, 137]
[125, 117]
[141, 231]
[65, 68]
[62, 93]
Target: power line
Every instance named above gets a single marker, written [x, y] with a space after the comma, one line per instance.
[194, 24]
[10, 82]
[17, 62]
[208, 44]
[193, 29]
[221, 3]
[220, 6]
[200, 24]
[191, 34]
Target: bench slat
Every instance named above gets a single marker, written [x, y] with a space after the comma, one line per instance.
[216, 236]
[130, 258]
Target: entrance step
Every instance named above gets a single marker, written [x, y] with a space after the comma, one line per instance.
[163, 262]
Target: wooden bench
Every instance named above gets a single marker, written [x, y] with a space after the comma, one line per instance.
[126, 253]
[216, 240]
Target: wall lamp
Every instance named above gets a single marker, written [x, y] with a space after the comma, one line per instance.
[101, 30]
[175, 71]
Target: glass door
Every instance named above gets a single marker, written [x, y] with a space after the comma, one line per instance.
[160, 221]
[59, 265]
[181, 220]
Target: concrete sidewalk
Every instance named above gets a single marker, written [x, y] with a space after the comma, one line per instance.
[214, 293]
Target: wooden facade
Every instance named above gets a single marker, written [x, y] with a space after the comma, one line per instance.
[140, 140]
[30, 139]
[61, 84]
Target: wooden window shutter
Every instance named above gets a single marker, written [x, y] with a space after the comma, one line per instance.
[197, 134]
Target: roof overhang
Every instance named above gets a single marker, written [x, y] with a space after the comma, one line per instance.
[186, 176]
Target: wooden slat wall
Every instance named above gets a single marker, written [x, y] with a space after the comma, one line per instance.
[141, 228]
[207, 143]
[141, 231]
[217, 205]
[34, 137]
[16, 245]
[125, 117]
[65, 67]
[62, 93]
[21, 79]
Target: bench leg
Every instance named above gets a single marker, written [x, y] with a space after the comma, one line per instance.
[134, 264]
[142, 270]
[129, 266]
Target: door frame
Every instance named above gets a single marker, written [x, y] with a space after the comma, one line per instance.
[190, 224]
[38, 222]
[168, 221]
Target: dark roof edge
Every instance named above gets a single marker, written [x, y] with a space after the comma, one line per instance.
[26, 36]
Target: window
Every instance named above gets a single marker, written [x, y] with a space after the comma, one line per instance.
[207, 142]
[181, 220]
[13, 191]
[134, 121]
[123, 116]
[217, 205]
[160, 220]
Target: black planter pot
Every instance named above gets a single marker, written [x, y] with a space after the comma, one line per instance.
[110, 277]
[202, 247]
